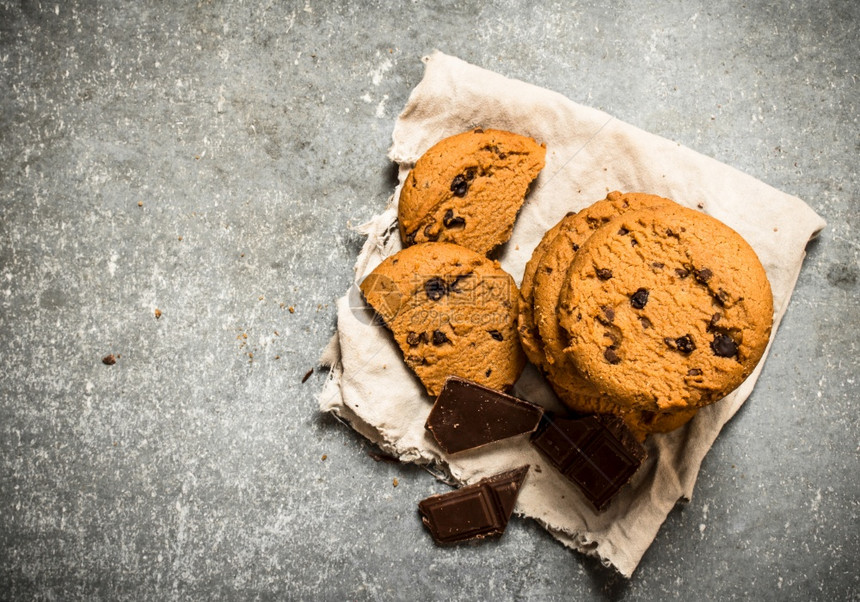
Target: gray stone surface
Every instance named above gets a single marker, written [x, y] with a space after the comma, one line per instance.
[207, 158]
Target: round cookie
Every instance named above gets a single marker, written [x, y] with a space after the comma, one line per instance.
[552, 271]
[666, 309]
[452, 312]
[529, 336]
[467, 189]
[570, 385]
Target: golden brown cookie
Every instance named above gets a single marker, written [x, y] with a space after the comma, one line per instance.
[666, 309]
[467, 189]
[552, 270]
[570, 385]
[452, 312]
[554, 253]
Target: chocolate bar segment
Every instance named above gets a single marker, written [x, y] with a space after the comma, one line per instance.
[467, 415]
[475, 511]
[598, 453]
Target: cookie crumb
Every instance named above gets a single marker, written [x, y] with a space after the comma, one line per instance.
[324, 456]
[140, 203]
[292, 309]
[395, 482]
[307, 374]
[109, 360]
[157, 313]
[179, 238]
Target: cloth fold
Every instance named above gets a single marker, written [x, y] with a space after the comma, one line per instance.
[589, 153]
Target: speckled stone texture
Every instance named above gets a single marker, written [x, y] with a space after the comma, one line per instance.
[207, 159]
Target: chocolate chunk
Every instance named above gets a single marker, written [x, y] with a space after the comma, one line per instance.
[714, 319]
[435, 288]
[467, 415]
[109, 360]
[623, 231]
[460, 185]
[721, 297]
[683, 344]
[413, 339]
[428, 232]
[488, 372]
[639, 298]
[694, 372]
[682, 273]
[574, 246]
[608, 313]
[439, 338]
[603, 273]
[724, 346]
[597, 453]
[703, 275]
[611, 356]
[449, 221]
[496, 335]
[474, 511]
[646, 323]
[658, 265]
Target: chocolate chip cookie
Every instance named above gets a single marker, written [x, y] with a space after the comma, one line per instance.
[467, 189]
[570, 385]
[452, 312]
[666, 309]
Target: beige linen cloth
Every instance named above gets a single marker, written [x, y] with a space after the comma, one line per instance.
[589, 153]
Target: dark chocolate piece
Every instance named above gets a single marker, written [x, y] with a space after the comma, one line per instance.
[724, 346]
[467, 415]
[597, 453]
[640, 298]
[474, 511]
[413, 339]
[449, 221]
[683, 344]
[436, 288]
[440, 338]
[703, 275]
[460, 185]
[611, 357]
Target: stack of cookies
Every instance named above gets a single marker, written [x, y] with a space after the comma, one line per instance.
[634, 306]
[642, 308]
